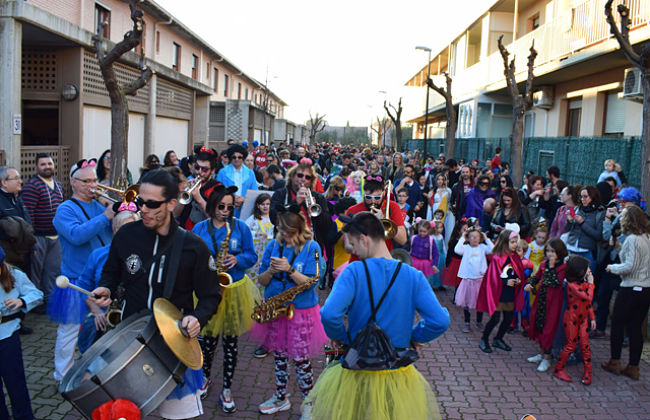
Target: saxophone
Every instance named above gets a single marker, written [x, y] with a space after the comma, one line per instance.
[275, 306]
[223, 277]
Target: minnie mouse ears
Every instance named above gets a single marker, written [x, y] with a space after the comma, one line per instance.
[293, 208]
[228, 190]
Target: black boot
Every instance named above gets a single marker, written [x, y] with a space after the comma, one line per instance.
[484, 346]
[500, 344]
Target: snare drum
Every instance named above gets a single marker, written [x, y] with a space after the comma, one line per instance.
[130, 362]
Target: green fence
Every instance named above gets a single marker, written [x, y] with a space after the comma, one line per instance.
[580, 159]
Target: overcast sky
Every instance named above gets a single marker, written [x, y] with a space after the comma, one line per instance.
[333, 57]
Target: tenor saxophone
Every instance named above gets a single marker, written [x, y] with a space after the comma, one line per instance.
[278, 305]
[223, 277]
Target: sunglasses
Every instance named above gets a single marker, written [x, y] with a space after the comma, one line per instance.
[301, 175]
[230, 207]
[484, 184]
[338, 188]
[151, 204]
[202, 168]
[373, 197]
[237, 157]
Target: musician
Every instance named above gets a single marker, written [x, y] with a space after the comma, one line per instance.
[204, 165]
[233, 317]
[140, 258]
[300, 182]
[83, 225]
[288, 262]
[374, 201]
[401, 393]
[237, 174]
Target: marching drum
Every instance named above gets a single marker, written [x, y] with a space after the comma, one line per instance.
[132, 362]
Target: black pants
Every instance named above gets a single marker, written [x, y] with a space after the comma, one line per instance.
[494, 320]
[630, 309]
[468, 316]
[608, 283]
[12, 375]
[209, 347]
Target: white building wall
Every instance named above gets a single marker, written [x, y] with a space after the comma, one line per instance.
[170, 134]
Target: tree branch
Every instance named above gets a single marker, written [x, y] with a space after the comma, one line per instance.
[438, 89]
[509, 72]
[132, 88]
[528, 101]
[622, 36]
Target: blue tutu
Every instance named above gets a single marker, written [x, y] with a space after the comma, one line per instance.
[66, 306]
[192, 382]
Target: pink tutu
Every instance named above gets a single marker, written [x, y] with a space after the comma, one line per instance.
[299, 338]
[423, 265]
[467, 292]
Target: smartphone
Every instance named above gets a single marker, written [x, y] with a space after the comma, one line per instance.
[572, 211]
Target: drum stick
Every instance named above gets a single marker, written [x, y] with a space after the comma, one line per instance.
[62, 282]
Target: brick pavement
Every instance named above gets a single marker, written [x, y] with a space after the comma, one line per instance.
[468, 383]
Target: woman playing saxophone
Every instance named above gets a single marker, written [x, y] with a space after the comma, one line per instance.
[289, 262]
[231, 243]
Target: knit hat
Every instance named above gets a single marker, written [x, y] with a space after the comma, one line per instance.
[576, 268]
[632, 195]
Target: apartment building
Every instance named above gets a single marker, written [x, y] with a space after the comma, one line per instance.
[54, 95]
[583, 85]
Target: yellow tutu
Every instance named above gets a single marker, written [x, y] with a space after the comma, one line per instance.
[372, 395]
[234, 314]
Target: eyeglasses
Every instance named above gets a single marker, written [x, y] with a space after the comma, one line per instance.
[202, 168]
[12, 179]
[301, 175]
[338, 188]
[151, 204]
[236, 157]
[484, 184]
[230, 207]
[584, 196]
[373, 197]
[503, 181]
[87, 180]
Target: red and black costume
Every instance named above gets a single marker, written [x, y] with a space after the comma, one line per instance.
[547, 308]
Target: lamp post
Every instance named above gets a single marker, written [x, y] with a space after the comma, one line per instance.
[426, 111]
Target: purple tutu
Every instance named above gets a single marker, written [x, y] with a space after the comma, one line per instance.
[467, 293]
[192, 382]
[299, 338]
[424, 266]
[66, 306]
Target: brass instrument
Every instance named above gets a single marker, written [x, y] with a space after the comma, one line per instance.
[278, 305]
[185, 196]
[314, 208]
[223, 278]
[390, 228]
[129, 195]
[113, 314]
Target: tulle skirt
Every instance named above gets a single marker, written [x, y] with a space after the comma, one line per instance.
[467, 293]
[66, 306]
[192, 382]
[233, 316]
[301, 337]
[425, 266]
[450, 274]
[378, 395]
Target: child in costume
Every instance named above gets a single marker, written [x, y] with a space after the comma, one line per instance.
[261, 227]
[501, 289]
[546, 310]
[424, 252]
[536, 247]
[402, 198]
[354, 187]
[578, 317]
[452, 261]
[438, 231]
[473, 265]
[522, 248]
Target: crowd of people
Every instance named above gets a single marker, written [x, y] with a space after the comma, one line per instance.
[543, 260]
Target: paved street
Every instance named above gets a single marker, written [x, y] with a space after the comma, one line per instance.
[468, 383]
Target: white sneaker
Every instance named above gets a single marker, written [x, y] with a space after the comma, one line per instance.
[203, 391]
[535, 359]
[274, 404]
[227, 403]
[306, 411]
[544, 365]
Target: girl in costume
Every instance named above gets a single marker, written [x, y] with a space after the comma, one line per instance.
[261, 227]
[289, 261]
[355, 185]
[424, 252]
[440, 199]
[473, 265]
[501, 290]
[452, 260]
[545, 314]
[233, 316]
[536, 248]
[522, 248]
[438, 229]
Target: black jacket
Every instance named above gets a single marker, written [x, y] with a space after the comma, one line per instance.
[10, 205]
[321, 224]
[131, 260]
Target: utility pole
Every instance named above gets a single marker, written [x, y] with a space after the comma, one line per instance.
[426, 111]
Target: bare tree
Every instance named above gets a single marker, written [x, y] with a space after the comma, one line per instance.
[642, 62]
[452, 117]
[118, 93]
[397, 122]
[381, 129]
[317, 124]
[520, 104]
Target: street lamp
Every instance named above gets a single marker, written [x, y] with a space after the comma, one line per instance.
[426, 111]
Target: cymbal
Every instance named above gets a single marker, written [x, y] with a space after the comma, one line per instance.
[168, 318]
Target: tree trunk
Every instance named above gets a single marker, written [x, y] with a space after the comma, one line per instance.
[516, 146]
[119, 129]
[398, 138]
[645, 137]
[452, 125]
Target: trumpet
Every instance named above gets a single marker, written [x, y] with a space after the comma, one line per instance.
[314, 208]
[128, 195]
[390, 228]
[185, 196]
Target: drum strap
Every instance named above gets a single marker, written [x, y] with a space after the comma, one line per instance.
[174, 262]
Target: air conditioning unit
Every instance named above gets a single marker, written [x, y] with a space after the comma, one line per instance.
[632, 84]
[543, 98]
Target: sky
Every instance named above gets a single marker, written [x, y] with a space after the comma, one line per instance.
[338, 58]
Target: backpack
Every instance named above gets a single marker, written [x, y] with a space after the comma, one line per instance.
[372, 348]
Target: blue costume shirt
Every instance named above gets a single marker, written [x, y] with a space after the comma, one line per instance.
[92, 272]
[304, 262]
[410, 293]
[241, 245]
[248, 182]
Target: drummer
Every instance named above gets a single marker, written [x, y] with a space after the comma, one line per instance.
[143, 267]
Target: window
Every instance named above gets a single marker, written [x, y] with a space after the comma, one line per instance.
[195, 67]
[176, 56]
[573, 117]
[157, 41]
[614, 115]
[225, 85]
[208, 65]
[103, 16]
[238, 90]
[529, 124]
[246, 93]
[533, 23]
[215, 79]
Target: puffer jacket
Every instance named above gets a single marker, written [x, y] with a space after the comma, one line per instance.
[590, 231]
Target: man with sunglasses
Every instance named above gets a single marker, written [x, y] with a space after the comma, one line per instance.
[204, 165]
[460, 189]
[472, 206]
[238, 175]
[145, 267]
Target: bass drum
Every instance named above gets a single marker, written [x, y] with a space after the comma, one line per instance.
[402, 255]
[131, 362]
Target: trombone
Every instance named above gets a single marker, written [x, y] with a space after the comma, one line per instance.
[185, 196]
[314, 208]
[390, 228]
[128, 195]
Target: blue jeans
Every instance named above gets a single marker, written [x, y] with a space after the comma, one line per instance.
[12, 374]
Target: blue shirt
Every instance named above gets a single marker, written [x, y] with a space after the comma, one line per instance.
[78, 235]
[248, 182]
[410, 293]
[24, 289]
[92, 272]
[304, 262]
[241, 245]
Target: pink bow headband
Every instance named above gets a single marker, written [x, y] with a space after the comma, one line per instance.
[374, 178]
[306, 161]
[127, 207]
[88, 163]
